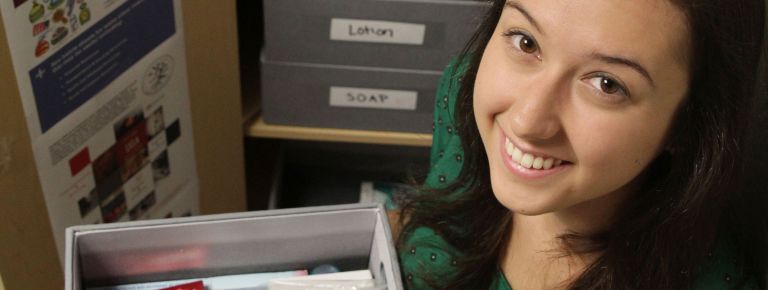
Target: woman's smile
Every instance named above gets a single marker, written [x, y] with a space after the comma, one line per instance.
[529, 163]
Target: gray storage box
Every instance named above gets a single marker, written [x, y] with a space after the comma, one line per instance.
[363, 98]
[414, 34]
[353, 237]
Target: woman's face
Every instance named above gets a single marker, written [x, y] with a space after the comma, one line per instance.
[573, 99]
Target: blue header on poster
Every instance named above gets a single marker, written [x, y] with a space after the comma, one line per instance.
[90, 62]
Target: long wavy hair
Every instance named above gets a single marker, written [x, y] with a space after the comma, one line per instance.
[693, 194]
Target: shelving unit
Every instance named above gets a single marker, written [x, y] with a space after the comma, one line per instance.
[301, 166]
[251, 42]
[258, 128]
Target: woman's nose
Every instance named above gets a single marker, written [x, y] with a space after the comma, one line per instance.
[535, 113]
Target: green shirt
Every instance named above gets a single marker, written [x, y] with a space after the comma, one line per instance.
[426, 256]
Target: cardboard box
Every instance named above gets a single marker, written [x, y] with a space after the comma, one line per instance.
[412, 34]
[333, 96]
[352, 237]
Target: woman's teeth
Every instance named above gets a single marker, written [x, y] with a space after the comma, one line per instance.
[528, 160]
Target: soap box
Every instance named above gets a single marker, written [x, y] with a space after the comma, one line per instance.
[352, 237]
[347, 97]
[413, 34]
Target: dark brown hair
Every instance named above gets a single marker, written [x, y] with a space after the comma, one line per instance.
[665, 231]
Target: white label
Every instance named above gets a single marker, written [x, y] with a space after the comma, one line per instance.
[377, 31]
[373, 98]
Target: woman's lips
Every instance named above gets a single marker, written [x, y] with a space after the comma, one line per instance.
[530, 165]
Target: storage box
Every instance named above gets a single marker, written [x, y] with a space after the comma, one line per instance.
[414, 34]
[332, 96]
[352, 237]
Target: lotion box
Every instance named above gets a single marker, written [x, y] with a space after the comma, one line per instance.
[410, 34]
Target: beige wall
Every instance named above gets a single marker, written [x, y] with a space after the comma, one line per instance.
[27, 252]
[214, 82]
[28, 258]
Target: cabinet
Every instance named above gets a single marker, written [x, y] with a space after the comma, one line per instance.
[289, 166]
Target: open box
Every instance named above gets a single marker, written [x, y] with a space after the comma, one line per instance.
[352, 237]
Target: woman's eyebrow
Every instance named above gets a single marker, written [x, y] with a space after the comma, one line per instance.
[519, 7]
[624, 61]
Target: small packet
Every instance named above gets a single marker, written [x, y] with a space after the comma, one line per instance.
[197, 285]
[352, 280]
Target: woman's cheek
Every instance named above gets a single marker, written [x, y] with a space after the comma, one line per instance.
[621, 150]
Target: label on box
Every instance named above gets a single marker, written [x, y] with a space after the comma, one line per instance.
[373, 98]
[377, 31]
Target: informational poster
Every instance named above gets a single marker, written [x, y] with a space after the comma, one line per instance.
[104, 89]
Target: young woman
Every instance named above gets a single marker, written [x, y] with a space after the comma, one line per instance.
[595, 144]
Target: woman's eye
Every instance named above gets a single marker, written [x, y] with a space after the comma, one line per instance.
[524, 43]
[609, 86]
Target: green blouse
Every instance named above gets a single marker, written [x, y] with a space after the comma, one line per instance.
[425, 255]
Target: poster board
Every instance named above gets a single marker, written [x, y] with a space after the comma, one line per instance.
[28, 259]
[103, 85]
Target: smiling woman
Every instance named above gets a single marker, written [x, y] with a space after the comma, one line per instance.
[551, 92]
[594, 145]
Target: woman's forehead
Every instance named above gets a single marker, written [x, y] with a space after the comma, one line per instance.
[654, 33]
[621, 23]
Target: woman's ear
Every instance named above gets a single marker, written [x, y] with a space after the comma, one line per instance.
[677, 134]
[671, 148]
[675, 139]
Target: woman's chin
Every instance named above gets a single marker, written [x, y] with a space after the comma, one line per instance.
[524, 201]
[524, 205]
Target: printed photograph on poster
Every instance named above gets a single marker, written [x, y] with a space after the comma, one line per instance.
[124, 175]
[53, 20]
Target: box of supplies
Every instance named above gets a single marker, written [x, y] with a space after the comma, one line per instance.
[353, 238]
[413, 34]
[362, 98]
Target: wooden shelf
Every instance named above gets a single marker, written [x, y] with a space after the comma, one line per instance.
[257, 128]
